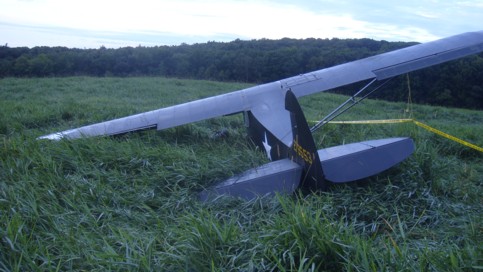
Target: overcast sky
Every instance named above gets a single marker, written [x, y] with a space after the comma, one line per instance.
[119, 23]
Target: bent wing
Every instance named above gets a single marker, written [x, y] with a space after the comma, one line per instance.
[266, 101]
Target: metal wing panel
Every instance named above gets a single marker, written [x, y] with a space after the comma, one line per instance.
[163, 118]
[427, 61]
[265, 101]
[328, 78]
[198, 110]
[388, 64]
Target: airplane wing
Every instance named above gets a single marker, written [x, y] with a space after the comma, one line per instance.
[266, 101]
[387, 65]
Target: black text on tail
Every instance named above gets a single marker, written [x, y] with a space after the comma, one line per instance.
[303, 150]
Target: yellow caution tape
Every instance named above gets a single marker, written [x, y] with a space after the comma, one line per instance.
[419, 124]
[389, 121]
[447, 136]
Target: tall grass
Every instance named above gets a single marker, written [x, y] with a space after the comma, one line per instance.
[129, 203]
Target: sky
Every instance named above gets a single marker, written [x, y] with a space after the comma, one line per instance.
[119, 23]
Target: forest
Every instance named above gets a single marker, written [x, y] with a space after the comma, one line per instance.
[455, 84]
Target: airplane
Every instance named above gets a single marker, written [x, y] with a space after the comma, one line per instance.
[277, 125]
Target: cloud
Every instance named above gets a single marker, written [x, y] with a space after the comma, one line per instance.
[470, 4]
[160, 22]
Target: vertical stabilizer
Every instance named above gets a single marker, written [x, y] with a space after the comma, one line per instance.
[303, 150]
[265, 140]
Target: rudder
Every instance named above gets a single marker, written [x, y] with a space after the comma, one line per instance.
[303, 150]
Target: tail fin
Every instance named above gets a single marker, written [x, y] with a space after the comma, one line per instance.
[265, 139]
[297, 166]
[303, 150]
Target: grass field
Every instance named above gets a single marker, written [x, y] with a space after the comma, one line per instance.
[129, 203]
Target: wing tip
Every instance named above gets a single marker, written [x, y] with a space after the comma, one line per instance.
[53, 137]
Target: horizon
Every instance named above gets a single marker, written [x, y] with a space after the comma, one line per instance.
[206, 42]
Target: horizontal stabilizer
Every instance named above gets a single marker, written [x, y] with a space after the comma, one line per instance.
[343, 163]
[360, 160]
[282, 176]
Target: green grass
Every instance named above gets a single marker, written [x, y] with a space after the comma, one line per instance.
[129, 203]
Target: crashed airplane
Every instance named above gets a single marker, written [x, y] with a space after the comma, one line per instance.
[278, 126]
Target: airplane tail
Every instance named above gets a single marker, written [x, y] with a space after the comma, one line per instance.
[292, 167]
[265, 139]
[343, 163]
[303, 150]
[301, 165]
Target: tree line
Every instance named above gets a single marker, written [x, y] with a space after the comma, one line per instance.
[457, 84]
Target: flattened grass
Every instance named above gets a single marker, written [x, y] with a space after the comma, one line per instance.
[129, 203]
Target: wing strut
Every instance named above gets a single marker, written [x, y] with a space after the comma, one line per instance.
[349, 103]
